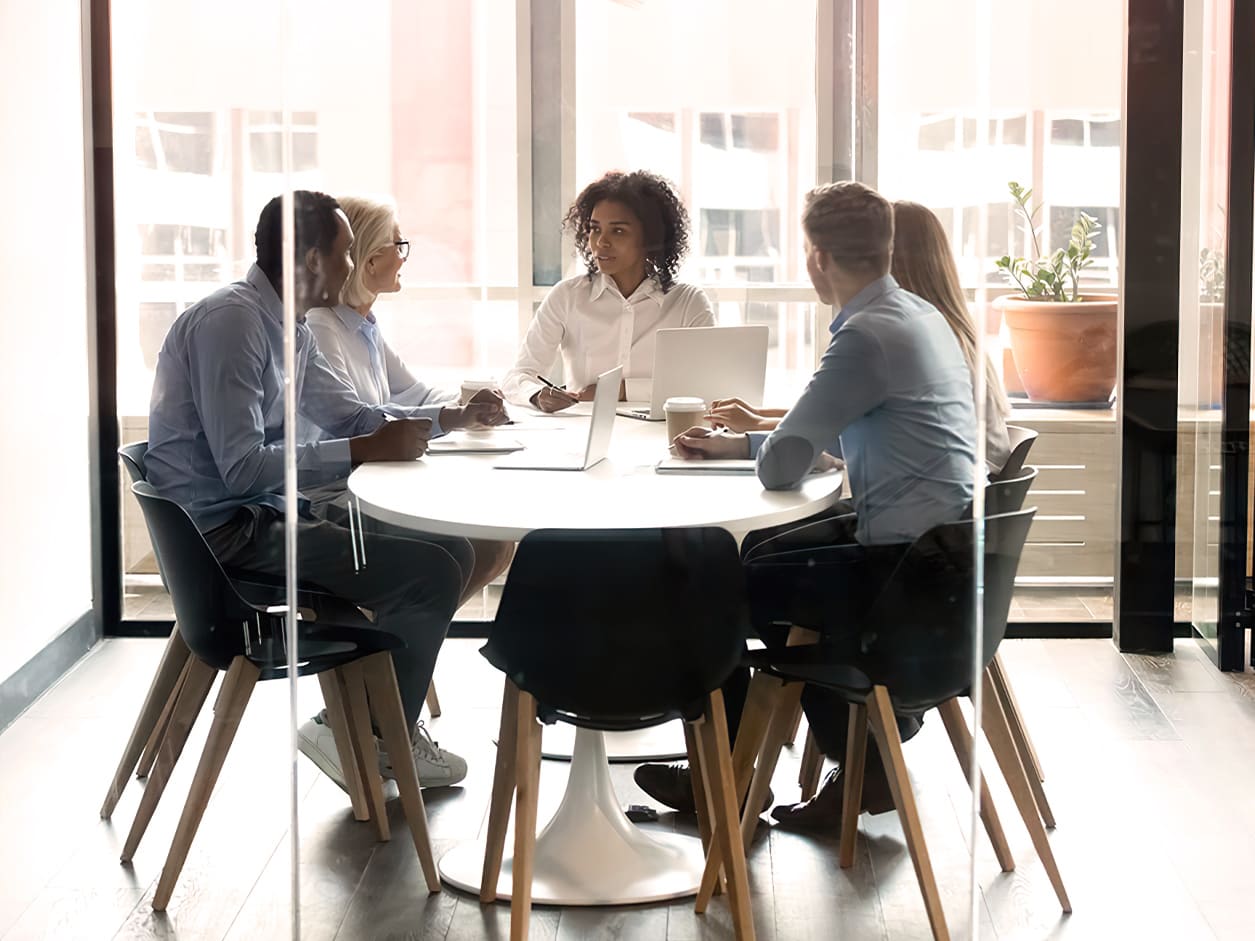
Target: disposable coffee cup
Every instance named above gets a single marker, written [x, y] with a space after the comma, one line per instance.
[683, 412]
[471, 386]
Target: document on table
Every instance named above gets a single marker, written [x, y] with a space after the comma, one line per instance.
[676, 465]
[474, 442]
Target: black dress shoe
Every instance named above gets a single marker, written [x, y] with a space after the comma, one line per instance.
[822, 813]
[672, 786]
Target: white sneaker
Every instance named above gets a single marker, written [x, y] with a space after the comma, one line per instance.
[316, 742]
[436, 766]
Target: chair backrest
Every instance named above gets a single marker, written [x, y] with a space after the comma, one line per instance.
[1021, 440]
[618, 628]
[133, 459]
[1006, 495]
[213, 619]
[920, 632]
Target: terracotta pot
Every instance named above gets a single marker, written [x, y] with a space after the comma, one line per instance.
[1064, 352]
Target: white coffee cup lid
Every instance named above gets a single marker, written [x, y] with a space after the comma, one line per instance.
[684, 403]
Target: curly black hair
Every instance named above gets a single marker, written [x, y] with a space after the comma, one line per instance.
[664, 220]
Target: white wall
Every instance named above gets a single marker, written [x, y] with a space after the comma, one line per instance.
[45, 519]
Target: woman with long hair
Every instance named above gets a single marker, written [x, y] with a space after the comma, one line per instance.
[632, 232]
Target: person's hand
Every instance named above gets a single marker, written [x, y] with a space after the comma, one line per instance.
[826, 462]
[700, 444]
[589, 392]
[402, 440]
[735, 400]
[553, 400]
[735, 415]
[485, 409]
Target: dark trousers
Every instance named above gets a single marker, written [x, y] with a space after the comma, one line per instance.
[411, 581]
[814, 574]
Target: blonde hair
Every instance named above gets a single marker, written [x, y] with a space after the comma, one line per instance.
[372, 222]
[924, 265]
[852, 223]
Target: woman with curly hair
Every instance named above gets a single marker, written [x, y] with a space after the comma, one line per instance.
[632, 232]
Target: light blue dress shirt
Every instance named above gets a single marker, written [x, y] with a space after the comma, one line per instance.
[215, 423]
[893, 396]
[358, 353]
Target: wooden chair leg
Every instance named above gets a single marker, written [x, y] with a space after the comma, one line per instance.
[332, 683]
[778, 700]
[885, 728]
[961, 739]
[1019, 737]
[160, 693]
[797, 725]
[994, 724]
[389, 716]
[752, 731]
[852, 793]
[717, 759]
[186, 708]
[528, 763]
[237, 687]
[160, 728]
[1015, 719]
[433, 701]
[503, 778]
[351, 680]
[812, 768]
[700, 785]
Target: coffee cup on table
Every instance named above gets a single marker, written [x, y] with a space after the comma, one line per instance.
[472, 386]
[683, 412]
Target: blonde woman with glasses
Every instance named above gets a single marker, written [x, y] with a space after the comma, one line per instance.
[349, 339]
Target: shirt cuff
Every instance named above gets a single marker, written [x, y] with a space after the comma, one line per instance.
[756, 439]
[336, 457]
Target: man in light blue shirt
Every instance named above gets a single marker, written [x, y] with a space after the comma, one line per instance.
[893, 398]
[216, 446]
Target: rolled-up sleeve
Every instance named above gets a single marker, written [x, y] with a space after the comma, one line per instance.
[852, 379]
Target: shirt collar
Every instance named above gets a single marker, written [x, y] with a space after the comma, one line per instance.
[271, 305]
[877, 289]
[351, 319]
[602, 283]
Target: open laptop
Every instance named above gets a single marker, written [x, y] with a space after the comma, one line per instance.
[708, 362]
[595, 448]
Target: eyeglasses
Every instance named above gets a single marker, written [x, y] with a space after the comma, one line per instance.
[403, 248]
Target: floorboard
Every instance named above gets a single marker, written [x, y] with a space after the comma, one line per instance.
[1148, 763]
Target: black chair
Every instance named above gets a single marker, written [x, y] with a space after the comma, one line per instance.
[153, 720]
[1021, 440]
[226, 632]
[637, 628]
[915, 654]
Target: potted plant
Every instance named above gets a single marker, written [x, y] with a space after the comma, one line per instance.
[1063, 341]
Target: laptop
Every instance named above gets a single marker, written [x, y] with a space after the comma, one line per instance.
[595, 448]
[709, 362]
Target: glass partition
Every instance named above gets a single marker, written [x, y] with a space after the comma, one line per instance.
[1204, 247]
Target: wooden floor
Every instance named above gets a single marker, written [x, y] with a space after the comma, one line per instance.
[1149, 763]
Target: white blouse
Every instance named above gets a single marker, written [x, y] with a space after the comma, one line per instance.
[596, 328]
[358, 353]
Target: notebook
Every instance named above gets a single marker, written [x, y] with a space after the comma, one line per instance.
[600, 427]
[708, 362]
[474, 442]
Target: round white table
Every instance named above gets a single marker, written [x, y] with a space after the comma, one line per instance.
[589, 853]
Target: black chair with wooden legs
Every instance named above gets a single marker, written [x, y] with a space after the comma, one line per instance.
[914, 653]
[176, 667]
[225, 632]
[617, 630]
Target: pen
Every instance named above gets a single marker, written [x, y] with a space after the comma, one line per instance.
[556, 388]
